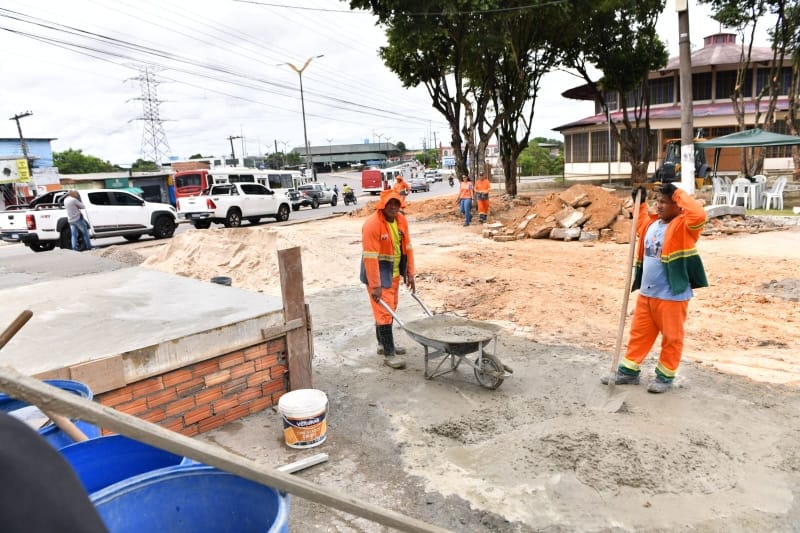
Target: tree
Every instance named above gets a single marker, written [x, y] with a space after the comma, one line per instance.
[427, 157]
[198, 156]
[144, 166]
[72, 161]
[401, 146]
[537, 161]
[619, 38]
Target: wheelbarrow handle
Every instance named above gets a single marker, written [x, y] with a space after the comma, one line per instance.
[391, 312]
[420, 302]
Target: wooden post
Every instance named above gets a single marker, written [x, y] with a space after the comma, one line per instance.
[294, 307]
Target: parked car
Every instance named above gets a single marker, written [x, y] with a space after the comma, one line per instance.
[321, 192]
[432, 175]
[419, 184]
[300, 199]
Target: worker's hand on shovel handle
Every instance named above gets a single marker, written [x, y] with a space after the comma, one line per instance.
[641, 191]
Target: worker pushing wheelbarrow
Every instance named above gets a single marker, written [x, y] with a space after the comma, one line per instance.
[453, 339]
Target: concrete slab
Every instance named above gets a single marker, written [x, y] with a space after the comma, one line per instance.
[87, 308]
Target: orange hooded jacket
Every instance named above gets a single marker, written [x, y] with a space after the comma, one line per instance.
[377, 257]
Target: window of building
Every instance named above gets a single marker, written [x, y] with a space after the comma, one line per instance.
[612, 101]
[726, 83]
[567, 148]
[600, 147]
[701, 86]
[580, 148]
[662, 90]
[779, 151]
[784, 79]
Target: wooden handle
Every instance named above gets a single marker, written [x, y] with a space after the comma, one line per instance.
[66, 425]
[14, 327]
[621, 329]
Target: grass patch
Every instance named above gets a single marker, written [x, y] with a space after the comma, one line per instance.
[771, 212]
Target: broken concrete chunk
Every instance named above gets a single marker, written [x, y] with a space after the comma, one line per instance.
[567, 217]
[565, 234]
[589, 236]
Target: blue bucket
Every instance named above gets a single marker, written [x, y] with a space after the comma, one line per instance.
[51, 432]
[106, 460]
[189, 499]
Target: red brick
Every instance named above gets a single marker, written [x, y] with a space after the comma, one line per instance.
[141, 388]
[211, 423]
[197, 414]
[266, 362]
[278, 371]
[175, 377]
[116, 397]
[175, 424]
[154, 415]
[275, 385]
[249, 394]
[205, 397]
[259, 405]
[255, 352]
[190, 387]
[161, 397]
[237, 413]
[189, 431]
[179, 407]
[206, 367]
[257, 378]
[276, 346]
[245, 369]
[224, 404]
[234, 387]
[134, 407]
[218, 377]
[232, 359]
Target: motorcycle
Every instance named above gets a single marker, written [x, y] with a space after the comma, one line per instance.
[350, 198]
[450, 180]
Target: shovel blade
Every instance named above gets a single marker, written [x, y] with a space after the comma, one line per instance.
[606, 398]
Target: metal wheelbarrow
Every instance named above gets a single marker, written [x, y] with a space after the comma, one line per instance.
[452, 339]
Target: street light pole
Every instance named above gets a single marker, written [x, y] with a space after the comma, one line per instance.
[309, 159]
[233, 152]
[330, 154]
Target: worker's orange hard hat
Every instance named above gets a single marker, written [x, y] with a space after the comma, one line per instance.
[389, 194]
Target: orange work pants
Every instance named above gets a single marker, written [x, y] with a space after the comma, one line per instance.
[651, 317]
[382, 316]
[483, 207]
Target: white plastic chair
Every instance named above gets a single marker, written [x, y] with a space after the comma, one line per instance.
[775, 193]
[740, 188]
[720, 193]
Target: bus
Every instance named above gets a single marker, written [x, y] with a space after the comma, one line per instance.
[374, 180]
[194, 182]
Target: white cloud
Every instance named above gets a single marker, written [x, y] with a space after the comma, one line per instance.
[86, 102]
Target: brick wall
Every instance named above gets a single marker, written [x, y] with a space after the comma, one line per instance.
[209, 394]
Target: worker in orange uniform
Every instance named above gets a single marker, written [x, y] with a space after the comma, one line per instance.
[402, 188]
[668, 267]
[465, 199]
[387, 256]
[482, 187]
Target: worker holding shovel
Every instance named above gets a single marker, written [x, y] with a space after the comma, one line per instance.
[387, 256]
[668, 267]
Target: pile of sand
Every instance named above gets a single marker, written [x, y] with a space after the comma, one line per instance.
[249, 257]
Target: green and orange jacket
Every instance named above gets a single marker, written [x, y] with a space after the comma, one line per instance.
[377, 257]
[680, 258]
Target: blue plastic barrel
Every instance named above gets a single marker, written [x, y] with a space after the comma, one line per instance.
[190, 499]
[106, 460]
[51, 432]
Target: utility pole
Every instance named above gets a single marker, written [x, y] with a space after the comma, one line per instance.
[687, 129]
[24, 146]
[154, 141]
[233, 153]
[436, 146]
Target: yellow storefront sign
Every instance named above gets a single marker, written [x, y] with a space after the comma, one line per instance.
[23, 173]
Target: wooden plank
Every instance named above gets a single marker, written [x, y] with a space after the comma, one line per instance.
[297, 346]
[302, 464]
[64, 403]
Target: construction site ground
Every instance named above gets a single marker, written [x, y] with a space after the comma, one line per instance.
[718, 452]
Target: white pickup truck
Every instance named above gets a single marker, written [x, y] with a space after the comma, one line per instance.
[230, 203]
[110, 213]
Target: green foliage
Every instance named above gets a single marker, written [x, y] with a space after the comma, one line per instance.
[76, 162]
[428, 158]
[401, 146]
[293, 158]
[144, 166]
[537, 161]
[198, 156]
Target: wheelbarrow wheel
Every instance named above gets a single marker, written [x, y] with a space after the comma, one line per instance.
[491, 376]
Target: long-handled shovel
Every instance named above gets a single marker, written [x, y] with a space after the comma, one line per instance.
[64, 423]
[614, 400]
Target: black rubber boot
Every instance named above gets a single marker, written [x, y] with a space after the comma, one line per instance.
[398, 350]
[386, 339]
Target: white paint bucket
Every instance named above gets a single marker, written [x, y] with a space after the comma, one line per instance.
[304, 413]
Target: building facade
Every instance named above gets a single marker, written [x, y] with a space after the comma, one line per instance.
[589, 149]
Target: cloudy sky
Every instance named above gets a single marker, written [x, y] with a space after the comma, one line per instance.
[222, 71]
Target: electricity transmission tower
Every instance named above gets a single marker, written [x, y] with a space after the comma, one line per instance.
[154, 141]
